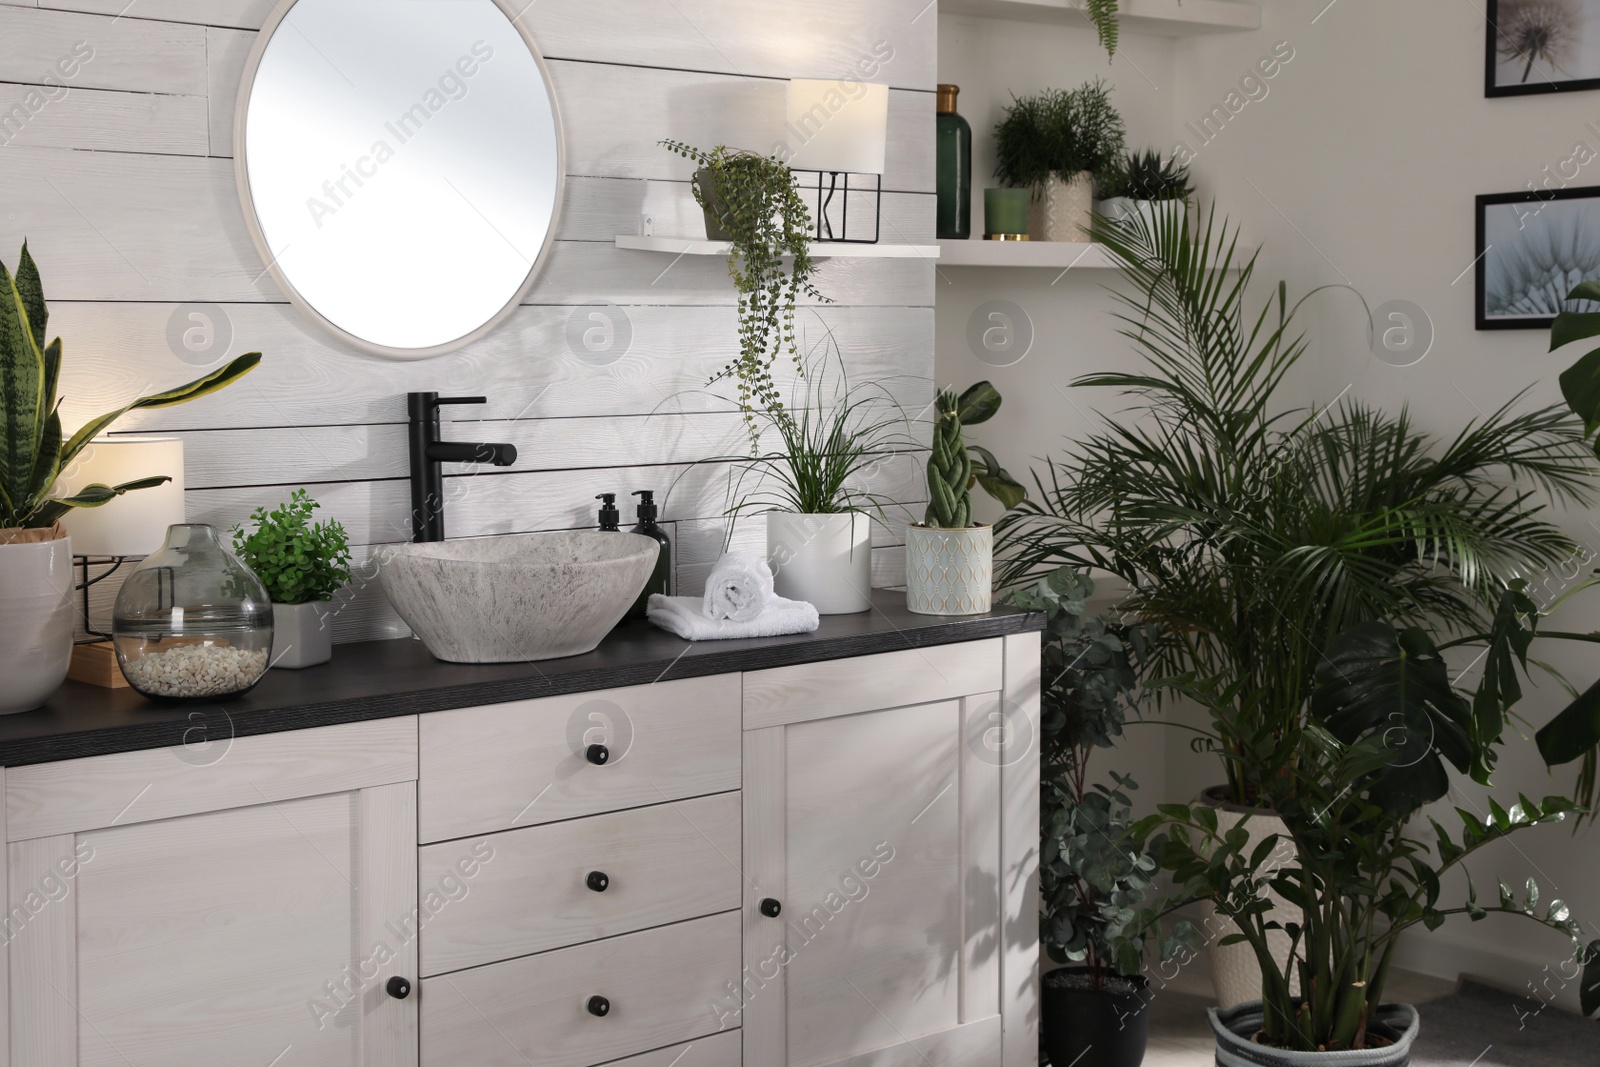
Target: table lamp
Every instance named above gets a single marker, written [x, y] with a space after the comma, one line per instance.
[836, 129]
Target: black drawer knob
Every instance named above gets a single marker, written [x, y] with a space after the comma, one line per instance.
[599, 1007]
[597, 881]
[398, 988]
[597, 755]
[771, 908]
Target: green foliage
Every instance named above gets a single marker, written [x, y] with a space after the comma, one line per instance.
[1103, 15]
[1145, 176]
[1099, 902]
[755, 199]
[977, 405]
[32, 450]
[1252, 532]
[949, 467]
[1058, 132]
[297, 560]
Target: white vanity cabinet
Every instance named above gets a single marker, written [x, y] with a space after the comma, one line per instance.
[244, 902]
[819, 864]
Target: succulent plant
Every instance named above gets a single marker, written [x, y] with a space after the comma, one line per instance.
[954, 467]
[1146, 176]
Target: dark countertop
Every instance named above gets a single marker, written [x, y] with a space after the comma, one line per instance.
[380, 679]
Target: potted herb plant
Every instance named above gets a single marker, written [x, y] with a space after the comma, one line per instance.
[1054, 144]
[1141, 186]
[949, 557]
[1100, 910]
[302, 564]
[750, 200]
[1294, 564]
[36, 616]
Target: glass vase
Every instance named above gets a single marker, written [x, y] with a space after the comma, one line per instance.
[953, 163]
[192, 622]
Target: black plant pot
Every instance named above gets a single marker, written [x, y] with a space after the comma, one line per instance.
[1084, 1027]
[713, 209]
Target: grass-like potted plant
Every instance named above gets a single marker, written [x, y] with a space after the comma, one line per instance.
[811, 481]
[949, 557]
[750, 200]
[36, 614]
[1142, 185]
[1054, 144]
[1269, 544]
[1100, 908]
[302, 564]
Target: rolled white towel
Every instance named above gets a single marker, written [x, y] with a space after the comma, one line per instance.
[682, 615]
[739, 588]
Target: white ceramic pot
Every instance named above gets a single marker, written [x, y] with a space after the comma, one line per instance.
[1235, 972]
[825, 560]
[1062, 210]
[302, 634]
[949, 572]
[35, 621]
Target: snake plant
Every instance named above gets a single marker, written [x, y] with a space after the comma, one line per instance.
[32, 451]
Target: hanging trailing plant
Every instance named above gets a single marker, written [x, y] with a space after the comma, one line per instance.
[754, 199]
[1103, 15]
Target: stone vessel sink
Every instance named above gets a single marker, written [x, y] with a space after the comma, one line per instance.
[517, 597]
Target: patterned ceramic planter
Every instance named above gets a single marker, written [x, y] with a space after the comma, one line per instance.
[36, 616]
[1235, 971]
[1062, 210]
[949, 572]
[1234, 1028]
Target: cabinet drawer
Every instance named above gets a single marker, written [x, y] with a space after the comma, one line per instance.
[665, 986]
[809, 691]
[526, 890]
[523, 762]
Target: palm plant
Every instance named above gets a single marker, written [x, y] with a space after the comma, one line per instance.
[1253, 532]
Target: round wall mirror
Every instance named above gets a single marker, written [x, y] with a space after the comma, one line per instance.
[400, 165]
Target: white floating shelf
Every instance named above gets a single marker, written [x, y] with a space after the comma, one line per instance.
[1164, 18]
[1061, 255]
[691, 246]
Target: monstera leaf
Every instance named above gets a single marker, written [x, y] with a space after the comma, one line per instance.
[1374, 681]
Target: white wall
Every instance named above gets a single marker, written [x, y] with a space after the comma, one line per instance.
[1359, 166]
[125, 189]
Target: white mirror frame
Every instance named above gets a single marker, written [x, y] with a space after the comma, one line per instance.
[241, 172]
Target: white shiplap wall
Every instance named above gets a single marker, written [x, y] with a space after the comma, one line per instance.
[125, 189]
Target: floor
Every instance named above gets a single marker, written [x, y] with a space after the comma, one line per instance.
[1181, 1037]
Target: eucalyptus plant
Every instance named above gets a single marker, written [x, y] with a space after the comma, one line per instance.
[33, 450]
[1099, 902]
[1058, 132]
[755, 199]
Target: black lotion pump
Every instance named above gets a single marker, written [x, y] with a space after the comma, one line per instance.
[610, 517]
[661, 577]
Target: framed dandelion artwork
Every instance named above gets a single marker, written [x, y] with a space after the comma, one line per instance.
[1533, 248]
[1542, 46]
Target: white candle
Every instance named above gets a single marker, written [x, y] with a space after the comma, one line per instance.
[134, 524]
[840, 126]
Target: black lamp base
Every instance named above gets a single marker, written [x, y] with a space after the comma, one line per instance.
[834, 222]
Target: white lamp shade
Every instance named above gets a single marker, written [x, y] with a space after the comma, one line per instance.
[134, 524]
[838, 126]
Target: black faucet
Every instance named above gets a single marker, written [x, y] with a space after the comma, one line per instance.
[428, 452]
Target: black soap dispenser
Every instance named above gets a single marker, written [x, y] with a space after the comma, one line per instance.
[661, 577]
[610, 517]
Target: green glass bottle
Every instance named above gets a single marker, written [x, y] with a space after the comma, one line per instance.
[954, 169]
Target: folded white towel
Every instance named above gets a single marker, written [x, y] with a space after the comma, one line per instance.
[738, 588]
[684, 616]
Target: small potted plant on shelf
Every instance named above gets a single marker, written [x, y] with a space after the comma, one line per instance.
[1142, 186]
[36, 615]
[949, 557]
[1100, 910]
[750, 200]
[1054, 144]
[302, 564]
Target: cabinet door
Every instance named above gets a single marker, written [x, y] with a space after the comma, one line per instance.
[878, 835]
[259, 934]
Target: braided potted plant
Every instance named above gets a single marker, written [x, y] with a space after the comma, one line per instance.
[950, 558]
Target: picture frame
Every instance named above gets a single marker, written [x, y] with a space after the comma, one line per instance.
[1532, 248]
[1541, 46]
